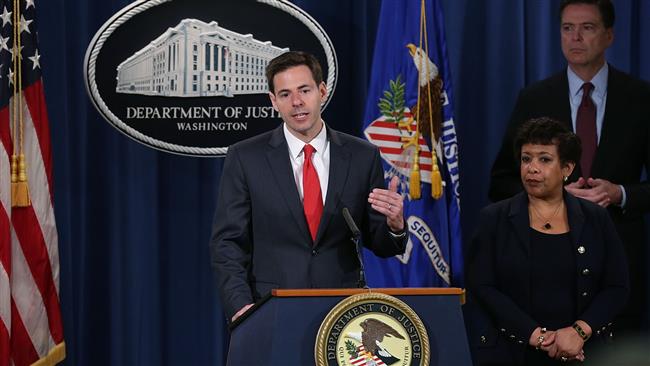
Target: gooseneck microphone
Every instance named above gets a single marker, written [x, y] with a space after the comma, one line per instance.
[356, 236]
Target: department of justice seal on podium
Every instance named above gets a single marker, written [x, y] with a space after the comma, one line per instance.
[372, 329]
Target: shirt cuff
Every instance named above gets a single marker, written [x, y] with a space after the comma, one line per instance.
[397, 235]
[623, 197]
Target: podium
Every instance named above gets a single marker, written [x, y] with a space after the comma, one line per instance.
[283, 327]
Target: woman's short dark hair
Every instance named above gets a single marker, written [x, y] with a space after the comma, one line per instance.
[548, 131]
[291, 59]
[605, 7]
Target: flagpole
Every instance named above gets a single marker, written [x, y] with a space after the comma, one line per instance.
[19, 185]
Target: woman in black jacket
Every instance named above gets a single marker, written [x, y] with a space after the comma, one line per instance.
[547, 267]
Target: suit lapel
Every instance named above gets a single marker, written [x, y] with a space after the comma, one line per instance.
[559, 92]
[278, 158]
[575, 217]
[339, 167]
[519, 220]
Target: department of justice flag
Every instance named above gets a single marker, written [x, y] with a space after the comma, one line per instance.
[409, 116]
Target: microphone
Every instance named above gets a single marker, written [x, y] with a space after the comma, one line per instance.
[356, 235]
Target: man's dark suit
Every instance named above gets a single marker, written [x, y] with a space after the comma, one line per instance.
[260, 236]
[499, 274]
[623, 151]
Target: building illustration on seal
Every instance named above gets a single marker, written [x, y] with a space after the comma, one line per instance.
[198, 59]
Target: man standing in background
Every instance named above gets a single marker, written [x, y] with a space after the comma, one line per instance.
[610, 112]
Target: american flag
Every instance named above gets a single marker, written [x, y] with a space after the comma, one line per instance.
[30, 318]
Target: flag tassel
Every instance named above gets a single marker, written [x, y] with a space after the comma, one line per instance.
[14, 178]
[414, 182]
[436, 183]
[19, 186]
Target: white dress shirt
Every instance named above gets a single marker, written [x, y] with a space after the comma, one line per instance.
[320, 158]
[598, 95]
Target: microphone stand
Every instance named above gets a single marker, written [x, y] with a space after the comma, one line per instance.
[362, 271]
[356, 237]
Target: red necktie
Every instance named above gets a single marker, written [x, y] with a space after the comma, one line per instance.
[586, 129]
[313, 199]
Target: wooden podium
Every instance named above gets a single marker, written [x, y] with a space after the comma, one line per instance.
[282, 328]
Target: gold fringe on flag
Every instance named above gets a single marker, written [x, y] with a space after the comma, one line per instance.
[436, 182]
[14, 177]
[19, 184]
[414, 181]
[20, 194]
[54, 356]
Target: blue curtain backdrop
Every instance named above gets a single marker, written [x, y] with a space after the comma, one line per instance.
[134, 223]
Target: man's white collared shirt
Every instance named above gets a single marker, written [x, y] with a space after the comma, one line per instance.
[320, 158]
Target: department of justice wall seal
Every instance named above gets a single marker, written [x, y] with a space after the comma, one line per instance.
[188, 77]
[372, 329]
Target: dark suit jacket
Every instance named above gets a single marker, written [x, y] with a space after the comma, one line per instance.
[260, 237]
[622, 153]
[499, 273]
[624, 147]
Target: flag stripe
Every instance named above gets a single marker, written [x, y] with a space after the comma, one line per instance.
[383, 134]
[5, 136]
[398, 160]
[4, 343]
[35, 102]
[36, 259]
[5, 239]
[23, 352]
[28, 301]
[382, 137]
[406, 164]
[5, 310]
[398, 151]
[39, 185]
[5, 292]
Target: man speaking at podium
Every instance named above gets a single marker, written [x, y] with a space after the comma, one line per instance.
[279, 222]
